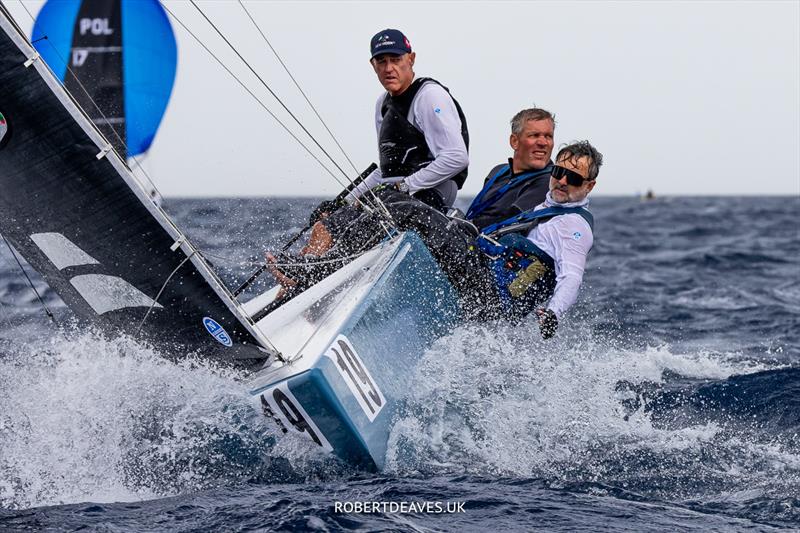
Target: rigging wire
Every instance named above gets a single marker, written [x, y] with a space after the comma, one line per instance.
[86, 92]
[252, 94]
[36, 292]
[141, 324]
[375, 203]
[138, 164]
[260, 79]
[378, 203]
[161, 290]
[368, 206]
[308, 101]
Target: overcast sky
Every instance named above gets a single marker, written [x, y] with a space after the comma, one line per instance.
[692, 98]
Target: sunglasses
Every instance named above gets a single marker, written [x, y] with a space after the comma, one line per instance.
[573, 178]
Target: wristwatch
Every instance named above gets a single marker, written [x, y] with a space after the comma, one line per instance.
[402, 186]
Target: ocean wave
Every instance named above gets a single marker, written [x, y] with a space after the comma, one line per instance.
[505, 403]
[88, 418]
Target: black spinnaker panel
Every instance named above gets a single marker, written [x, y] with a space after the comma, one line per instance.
[97, 60]
[96, 240]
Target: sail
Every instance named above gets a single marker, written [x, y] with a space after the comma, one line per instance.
[122, 55]
[72, 208]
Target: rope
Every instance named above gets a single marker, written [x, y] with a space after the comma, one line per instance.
[6, 318]
[321, 323]
[164, 286]
[38, 296]
[266, 86]
[306, 263]
[335, 140]
[251, 93]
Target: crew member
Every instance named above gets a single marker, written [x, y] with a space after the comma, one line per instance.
[422, 132]
[422, 141]
[522, 183]
[515, 265]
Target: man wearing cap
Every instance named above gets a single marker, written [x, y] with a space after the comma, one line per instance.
[422, 132]
[422, 143]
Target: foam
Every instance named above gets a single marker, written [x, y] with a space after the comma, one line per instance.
[500, 401]
[110, 420]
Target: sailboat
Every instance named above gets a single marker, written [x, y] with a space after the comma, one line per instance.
[331, 364]
[118, 59]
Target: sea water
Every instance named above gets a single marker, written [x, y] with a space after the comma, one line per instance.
[669, 400]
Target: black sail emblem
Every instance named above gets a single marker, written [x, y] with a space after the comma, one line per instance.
[5, 130]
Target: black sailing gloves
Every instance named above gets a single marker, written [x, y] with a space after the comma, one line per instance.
[548, 322]
[322, 210]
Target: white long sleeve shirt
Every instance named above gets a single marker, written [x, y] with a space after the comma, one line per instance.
[434, 113]
[567, 239]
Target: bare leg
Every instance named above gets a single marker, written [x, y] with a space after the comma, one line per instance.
[282, 278]
[319, 242]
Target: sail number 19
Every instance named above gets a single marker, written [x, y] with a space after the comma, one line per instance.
[357, 376]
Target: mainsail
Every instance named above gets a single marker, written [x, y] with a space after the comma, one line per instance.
[72, 208]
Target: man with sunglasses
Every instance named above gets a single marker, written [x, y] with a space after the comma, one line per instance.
[511, 267]
[540, 254]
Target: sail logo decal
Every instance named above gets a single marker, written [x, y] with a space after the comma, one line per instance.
[79, 57]
[61, 251]
[102, 292]
[108, 293]
[5, 130]
[217, 331]
[279, 403]
[97, 26]
[357, 376]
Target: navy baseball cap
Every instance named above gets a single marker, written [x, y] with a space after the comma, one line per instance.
[390, 42]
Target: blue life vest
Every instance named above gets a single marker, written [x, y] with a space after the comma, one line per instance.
[480, 203]
[524, 274]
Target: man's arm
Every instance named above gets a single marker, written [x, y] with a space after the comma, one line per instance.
[435, 113]
[574, 242]
[373, 180]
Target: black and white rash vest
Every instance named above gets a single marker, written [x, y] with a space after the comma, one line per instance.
[402, 146]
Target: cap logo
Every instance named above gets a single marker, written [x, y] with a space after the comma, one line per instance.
[391, 42]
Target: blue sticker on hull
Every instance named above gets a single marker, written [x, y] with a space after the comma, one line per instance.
[217, 331]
